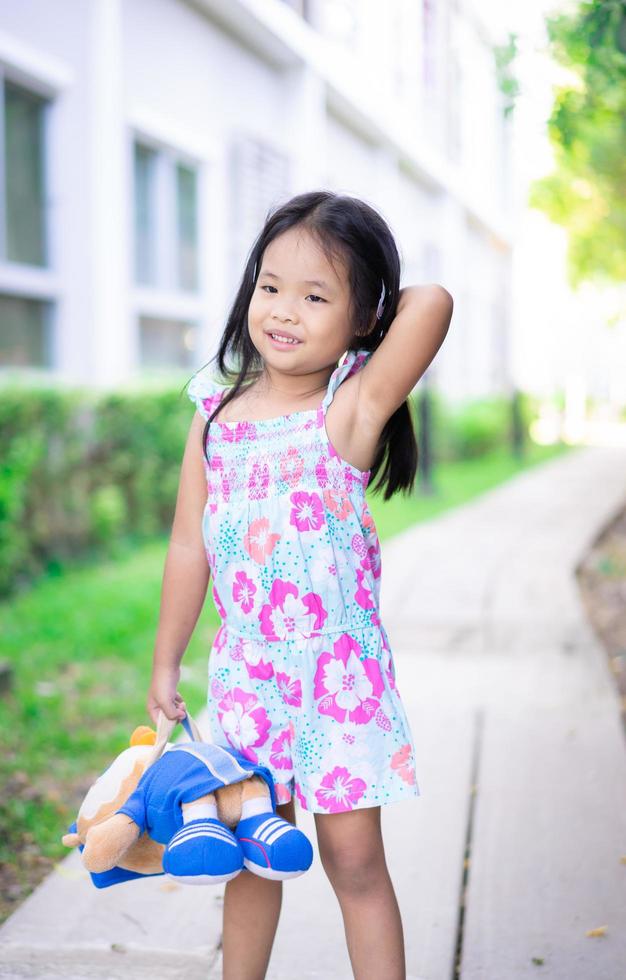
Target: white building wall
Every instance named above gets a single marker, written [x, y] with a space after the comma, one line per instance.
[217, 85]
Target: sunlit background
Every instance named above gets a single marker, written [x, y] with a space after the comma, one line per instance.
[145, 141]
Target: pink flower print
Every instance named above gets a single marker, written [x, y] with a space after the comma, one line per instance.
[374, 559]
[336, 476]
[259, 481]
[228, 434]
[301, 799]
[358, 545]
[280, 755]
[363, 595]
[219, 605]
[243, 590]
[237, 651]
[307, 513]
[228, 480]
[283, 794]
[340, 791]
[402, 761]
[374, 618]
[366, 519]
[290, 689]
[210, 403]
[350, 477]
[259, 542]
[323, 569]
[244, 721]
[244, 431]
[321, 473]
[217, 689]
[288, 615]
[291, 466]
[369, 553]
[388, 665]
[348, 686]
[219, 641]
[255, 664]
[338, 503]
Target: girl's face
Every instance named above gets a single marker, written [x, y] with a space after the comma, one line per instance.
[299, 293]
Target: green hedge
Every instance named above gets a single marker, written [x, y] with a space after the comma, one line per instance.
[469, 429]
[79, 472]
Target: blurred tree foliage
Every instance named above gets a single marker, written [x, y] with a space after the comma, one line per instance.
[587, 127]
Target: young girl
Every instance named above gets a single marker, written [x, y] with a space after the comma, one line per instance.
[301, 674]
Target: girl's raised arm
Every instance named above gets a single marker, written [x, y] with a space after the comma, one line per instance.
[416, 333]
[185, 580]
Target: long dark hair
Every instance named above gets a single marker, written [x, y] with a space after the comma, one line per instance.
[346, 227]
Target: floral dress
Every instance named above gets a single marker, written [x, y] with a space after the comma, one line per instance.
[301, 674]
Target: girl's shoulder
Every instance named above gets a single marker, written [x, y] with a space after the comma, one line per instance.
[205, 390]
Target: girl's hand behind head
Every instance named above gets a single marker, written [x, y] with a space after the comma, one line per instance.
[163, 694]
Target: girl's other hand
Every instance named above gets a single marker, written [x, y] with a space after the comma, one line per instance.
[163, 694]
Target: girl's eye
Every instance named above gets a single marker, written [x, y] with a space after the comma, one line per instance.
[314, 295]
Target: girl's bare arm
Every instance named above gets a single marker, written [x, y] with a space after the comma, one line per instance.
[185, 580]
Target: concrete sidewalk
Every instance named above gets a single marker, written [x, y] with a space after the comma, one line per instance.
[513, 850]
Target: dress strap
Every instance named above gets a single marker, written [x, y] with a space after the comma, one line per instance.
[205, 391]
[352, 362]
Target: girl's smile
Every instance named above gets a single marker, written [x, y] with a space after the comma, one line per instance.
[282, 341]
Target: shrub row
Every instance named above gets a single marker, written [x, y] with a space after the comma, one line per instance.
[79, 472]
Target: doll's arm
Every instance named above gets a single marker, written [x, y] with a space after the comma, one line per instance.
[106, 843]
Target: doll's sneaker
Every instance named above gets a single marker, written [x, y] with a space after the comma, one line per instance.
[273, 847]
[203, 852]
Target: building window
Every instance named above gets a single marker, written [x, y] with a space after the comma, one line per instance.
[25, 323]
[145, 214]
[166, 219]
[187, 237]
[25, 332]
[259, 181]
[166, 343]
[23, 232]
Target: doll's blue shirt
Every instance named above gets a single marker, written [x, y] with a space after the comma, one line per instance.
[182, 774]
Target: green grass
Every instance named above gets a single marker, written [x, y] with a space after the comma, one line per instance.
[81, 646]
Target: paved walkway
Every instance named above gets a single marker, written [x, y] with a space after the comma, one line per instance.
[521, 761]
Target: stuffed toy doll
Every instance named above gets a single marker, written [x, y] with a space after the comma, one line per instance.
[197, 812]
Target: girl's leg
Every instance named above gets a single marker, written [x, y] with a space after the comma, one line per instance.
[352, 854]
[251, 911]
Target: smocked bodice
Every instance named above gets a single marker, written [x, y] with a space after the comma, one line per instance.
[290, 540]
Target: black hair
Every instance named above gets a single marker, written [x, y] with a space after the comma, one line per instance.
[348, 228]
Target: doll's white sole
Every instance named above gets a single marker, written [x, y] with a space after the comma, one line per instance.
[269, 872]
[203, 879]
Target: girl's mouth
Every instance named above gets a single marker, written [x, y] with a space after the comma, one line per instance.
[281, 342]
